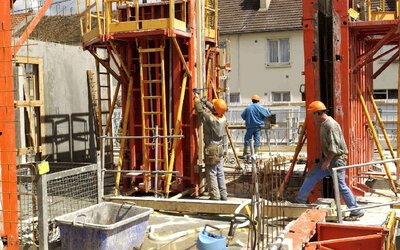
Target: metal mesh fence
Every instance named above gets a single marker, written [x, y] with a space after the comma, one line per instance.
[27, 204]
[67, 188]
[71, 193]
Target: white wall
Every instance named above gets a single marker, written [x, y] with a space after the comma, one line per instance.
[250, 75]
[388, 79]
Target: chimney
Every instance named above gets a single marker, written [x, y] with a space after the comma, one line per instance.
[264, 5]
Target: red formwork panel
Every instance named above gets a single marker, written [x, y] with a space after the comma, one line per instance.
[339, 236]
[348, 46]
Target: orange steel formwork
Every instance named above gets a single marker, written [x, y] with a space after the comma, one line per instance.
[339, 54]
[9, 207]
[338, 236]
[155, 47]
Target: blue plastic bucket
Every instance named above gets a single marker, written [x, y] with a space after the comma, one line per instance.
[211, 241]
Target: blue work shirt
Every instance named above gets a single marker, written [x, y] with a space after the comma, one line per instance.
[254, 115]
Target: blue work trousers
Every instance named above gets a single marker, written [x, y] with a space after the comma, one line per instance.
[255, 133]
[317, 174]
[215, 178]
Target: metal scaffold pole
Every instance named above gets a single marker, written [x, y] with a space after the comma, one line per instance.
[9, 204]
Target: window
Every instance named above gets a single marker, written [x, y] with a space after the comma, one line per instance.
[278, 52]
[385, 94]
[280, 96]
[234, 97]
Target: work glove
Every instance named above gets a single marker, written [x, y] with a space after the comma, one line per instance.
[196, 91]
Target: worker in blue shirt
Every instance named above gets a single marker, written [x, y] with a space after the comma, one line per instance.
[254, 116]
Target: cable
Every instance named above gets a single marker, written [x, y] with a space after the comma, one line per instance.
[233, 227]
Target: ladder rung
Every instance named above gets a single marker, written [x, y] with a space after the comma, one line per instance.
[154, 160]
[153, 144]
[152, 81]
[104, 99]
[153, 128]
[103, 73]
[151, 50]
[151, 65]
[153, 113]
[104, 86]
[152, 97]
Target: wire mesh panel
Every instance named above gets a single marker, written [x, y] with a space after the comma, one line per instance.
[70, 193]
[67, 188]
[64, 192]
[27, 204]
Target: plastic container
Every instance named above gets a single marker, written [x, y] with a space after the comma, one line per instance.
[104, 226]
[211, 241]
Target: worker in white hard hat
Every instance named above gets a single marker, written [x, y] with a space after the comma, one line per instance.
[254, 116]
[212, 116]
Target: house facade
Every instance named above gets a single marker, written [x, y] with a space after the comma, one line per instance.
[267, 52]
[266, 49]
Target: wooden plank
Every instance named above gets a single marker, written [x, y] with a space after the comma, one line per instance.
[34, 103]
[210, 206]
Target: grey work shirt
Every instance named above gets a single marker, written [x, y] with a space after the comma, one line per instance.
[214, 128]
[331, 139]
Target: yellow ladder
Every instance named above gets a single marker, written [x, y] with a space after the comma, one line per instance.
[103, 107]
[154, 111]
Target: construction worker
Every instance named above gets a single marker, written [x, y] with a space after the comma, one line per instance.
[334, 154]
[214, 130]
[254, 116]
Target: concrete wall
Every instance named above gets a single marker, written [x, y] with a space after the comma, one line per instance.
[68, 113]
[250, 75]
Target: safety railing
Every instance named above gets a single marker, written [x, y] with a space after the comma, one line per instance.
[91, 18]
[337, 193]
[102, 17]
[383, 10]
[167, 171]
[211, 18]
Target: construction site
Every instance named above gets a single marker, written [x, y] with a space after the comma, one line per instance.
[104, 140]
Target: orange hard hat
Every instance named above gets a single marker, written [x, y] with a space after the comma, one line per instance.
[220, 106]
[255, 98]
[315, 106]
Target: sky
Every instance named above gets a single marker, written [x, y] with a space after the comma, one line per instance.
[58, 7]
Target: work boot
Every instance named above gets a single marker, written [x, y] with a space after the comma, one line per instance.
[256, 150]
[245, 152]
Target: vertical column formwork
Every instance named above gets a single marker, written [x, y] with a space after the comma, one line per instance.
[360, 140]
[8, 203]
[311, 70]
[186, 149]
[343, 100]
[348, 109]
[150, 37]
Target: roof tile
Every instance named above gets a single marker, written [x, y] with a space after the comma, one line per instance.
[244, 16]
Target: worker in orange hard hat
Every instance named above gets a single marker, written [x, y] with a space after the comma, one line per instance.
[212, 116]
[316, 106]
[254, 116]
[220, 107]
[334, 154]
